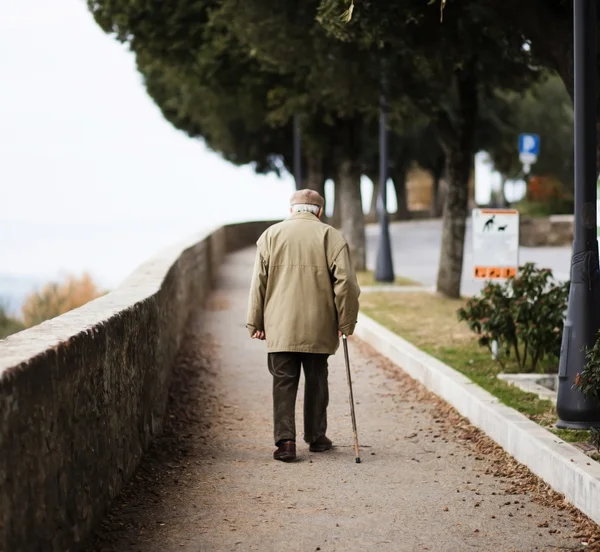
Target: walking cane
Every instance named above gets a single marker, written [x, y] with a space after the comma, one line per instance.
[352, 414]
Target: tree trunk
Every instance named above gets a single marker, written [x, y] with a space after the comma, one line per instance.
[454, 223]
[435, 207]
[351, 211]
[336, 216]
[315, 177]
[459, 157]
[471, 201]
[502, 193]
[597, 139]
[437, 200]
[435, 197]
[399, 180]
[372, 214]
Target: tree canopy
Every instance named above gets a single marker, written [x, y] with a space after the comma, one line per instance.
[545, 109]
[235, 73]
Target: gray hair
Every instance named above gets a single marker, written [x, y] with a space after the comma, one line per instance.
[306, 208]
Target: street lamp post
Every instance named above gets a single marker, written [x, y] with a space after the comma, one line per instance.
[384, 268]
[297, 153]
[574, 410]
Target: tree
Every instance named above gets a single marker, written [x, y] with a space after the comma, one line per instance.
[201, 78]
[452, 67]
[421, 145]
[545, 109]
[430, 155]
[411, 140]
[335, 83]
[197, 55]
[546, 26]
[229, 119]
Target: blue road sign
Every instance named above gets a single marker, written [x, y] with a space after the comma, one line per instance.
[529, 144]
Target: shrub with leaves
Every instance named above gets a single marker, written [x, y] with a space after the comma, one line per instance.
[8, 324]
[58, 298]
[524, 315]
[588, 380]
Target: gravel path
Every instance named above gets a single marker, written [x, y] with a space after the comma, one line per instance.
[427, 481]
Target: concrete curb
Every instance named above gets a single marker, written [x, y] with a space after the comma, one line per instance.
[566, 469]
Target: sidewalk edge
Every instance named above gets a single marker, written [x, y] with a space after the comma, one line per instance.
[566, 469]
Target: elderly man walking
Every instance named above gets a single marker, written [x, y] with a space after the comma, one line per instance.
[303, 297]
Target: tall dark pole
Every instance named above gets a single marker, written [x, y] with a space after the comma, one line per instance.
[583, 314]
[297, 153]
[384, 269]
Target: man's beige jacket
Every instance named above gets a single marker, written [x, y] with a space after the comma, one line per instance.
[303, 288]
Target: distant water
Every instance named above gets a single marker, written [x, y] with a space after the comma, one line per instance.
[14, 290]
[34, 254]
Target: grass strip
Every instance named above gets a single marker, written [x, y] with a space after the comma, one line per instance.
[429, 322]
[367, 278]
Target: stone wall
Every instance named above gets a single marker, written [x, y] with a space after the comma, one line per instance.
[554, 230]
[82, 395]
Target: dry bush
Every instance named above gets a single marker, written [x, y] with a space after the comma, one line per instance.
[419, 187]
[57, 298]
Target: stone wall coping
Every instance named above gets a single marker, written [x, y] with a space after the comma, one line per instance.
[142, 283]
[562, 466]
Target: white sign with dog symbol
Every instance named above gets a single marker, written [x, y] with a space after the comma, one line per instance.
[495, 243]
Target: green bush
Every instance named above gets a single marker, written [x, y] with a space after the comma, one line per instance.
[588, 380]
[545, 208]
[524, 315]
[8, 325]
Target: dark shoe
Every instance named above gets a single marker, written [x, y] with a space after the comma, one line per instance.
[320, 445]
[286, 451]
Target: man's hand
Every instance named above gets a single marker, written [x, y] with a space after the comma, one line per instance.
[258, 335]
[339, 333]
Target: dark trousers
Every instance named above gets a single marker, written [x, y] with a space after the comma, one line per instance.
[285, 369]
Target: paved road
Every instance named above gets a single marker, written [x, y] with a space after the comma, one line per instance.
[416, 253]
[427, 480]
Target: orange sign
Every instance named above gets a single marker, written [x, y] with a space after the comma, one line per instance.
[509, 272]
[494, 272]
[499, 211]
[480, 271]
[495, 243]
